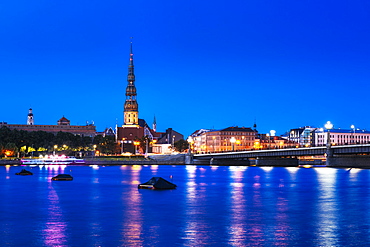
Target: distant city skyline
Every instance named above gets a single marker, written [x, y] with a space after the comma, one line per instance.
[198, 65]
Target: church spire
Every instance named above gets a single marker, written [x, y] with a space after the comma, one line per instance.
[131, 107]
[155, 124]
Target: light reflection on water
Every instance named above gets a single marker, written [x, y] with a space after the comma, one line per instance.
[237, 228]
[55, 225]
[132, 222]
[212, 206]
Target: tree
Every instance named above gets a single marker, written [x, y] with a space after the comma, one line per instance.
[144, 142]
[10, 149]
[107, 144]
[181, 145]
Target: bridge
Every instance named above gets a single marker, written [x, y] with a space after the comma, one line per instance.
[344, 155]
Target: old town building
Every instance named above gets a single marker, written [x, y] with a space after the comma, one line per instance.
[63, 125]
[228, 139]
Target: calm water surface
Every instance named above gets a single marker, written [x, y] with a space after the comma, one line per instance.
[212, 206]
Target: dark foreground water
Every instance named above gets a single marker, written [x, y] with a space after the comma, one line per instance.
[212, 206]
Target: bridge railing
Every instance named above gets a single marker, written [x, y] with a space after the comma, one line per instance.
[299, 151]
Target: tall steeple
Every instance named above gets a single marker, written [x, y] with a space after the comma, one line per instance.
[131, 107]
[155, 124]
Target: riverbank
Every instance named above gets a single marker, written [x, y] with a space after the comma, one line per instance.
[10, 162]
[178, 159]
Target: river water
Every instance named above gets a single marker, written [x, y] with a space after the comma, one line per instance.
[212, 206]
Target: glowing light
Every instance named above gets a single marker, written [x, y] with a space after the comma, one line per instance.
[267, 168]
[232, 140]
[307, 166]
[136, 167]
[328, 125]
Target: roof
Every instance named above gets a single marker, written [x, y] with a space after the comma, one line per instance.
[344, 131]
[238, 129]
[142, 123]
[63, 119]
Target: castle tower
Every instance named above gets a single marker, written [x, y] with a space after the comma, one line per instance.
[131, 107]
[30, 117]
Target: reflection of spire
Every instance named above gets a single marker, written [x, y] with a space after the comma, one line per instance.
[133, 225]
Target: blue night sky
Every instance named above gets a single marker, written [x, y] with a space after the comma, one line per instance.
[198, 64]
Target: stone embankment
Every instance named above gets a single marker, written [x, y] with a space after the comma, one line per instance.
[4, 162]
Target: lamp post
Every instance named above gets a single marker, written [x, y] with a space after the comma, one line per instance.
[271, 140]
[214, 140]
[147, 146]
[136, 144]
[232, 140]
[190, 141]
[237, 142]
[328, 126]
[55, 148]
[94, 149]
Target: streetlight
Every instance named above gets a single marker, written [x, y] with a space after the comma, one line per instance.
[237, 143]
[147, 146]
[232, 140]
[94, 149]
[122, 146]
[328, 126]
[136, 144]
[55, 147]
[190, 141]
[353, 133]
[214, 145]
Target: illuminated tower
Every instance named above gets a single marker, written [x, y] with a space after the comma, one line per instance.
[155, 125]
[30, 117]
[131, 107]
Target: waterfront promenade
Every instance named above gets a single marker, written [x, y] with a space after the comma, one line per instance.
[346, 156]
[178, 159]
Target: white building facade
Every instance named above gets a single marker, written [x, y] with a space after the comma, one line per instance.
[341, 137]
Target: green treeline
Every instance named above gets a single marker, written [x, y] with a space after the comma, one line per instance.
[18, 143]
